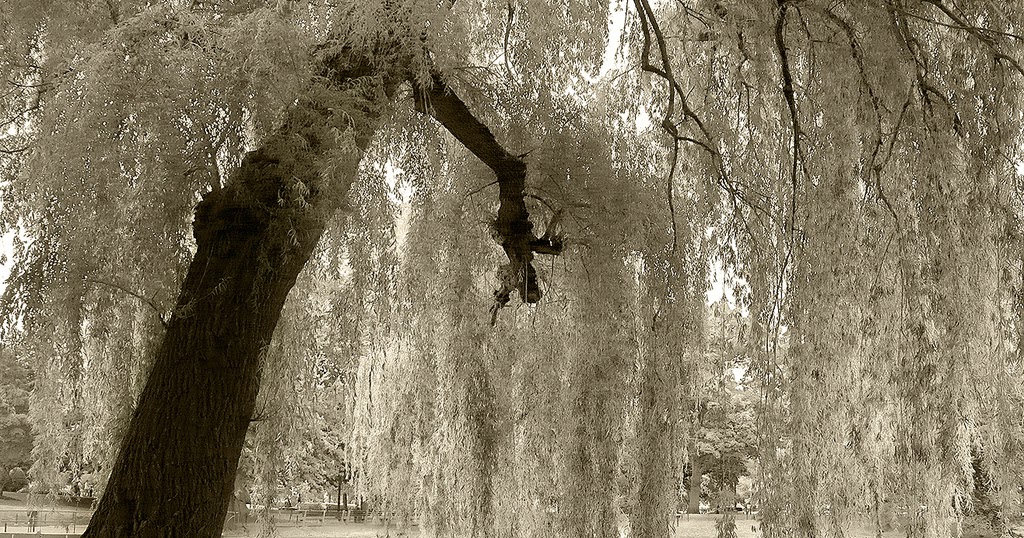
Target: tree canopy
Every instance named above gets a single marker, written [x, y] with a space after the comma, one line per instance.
[481, 234]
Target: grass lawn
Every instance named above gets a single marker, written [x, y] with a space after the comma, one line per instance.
[328, 530]
[702, 526]
[696, 526]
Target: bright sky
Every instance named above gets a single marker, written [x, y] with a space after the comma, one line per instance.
[718, 289]
[616, 23]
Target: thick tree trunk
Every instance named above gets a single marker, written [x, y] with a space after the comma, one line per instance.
[177, 463]
[176, 468]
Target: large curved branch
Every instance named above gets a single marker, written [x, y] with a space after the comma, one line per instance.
[512, 227]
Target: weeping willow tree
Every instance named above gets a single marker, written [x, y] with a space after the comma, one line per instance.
[892, 226]
[491, 225]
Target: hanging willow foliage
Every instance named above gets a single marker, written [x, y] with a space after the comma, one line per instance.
[557, 422]
[853, 166]
[874, 164]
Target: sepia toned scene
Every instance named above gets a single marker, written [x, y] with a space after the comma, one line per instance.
[512, 268]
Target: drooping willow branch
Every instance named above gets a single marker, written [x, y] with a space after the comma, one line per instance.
[145, 300]
[654, 36]
[789, 92]
[648, 24]
[512, 227]
[979, 33]
[856, 50]
[798, 164]
[874, 166]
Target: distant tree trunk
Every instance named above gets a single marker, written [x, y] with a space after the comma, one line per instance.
[175, 471]
[696, 476]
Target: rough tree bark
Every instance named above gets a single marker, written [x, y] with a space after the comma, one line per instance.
[177, 463]
[176, 467]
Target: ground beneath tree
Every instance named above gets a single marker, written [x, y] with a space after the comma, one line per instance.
[696, 526]
[328, 530]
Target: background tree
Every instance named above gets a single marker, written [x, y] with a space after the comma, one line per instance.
[722, 439]
[15, 429]
[724, 449]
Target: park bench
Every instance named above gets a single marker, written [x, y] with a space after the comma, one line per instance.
[358, 515]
